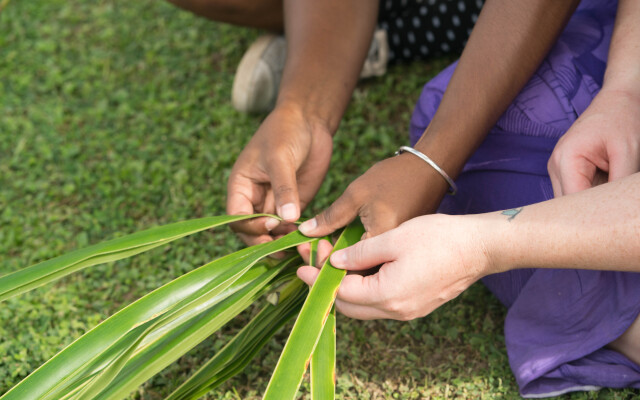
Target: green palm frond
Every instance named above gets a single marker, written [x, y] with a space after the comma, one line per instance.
[118, 355]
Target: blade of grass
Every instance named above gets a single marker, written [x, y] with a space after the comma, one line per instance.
[295, 357]
[60, 370]
[3, 4]
[313, 254]
[42, 273]
[323, 362]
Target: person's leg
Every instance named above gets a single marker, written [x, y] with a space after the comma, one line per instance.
[263, 14]
[421, 30]
[629, 343]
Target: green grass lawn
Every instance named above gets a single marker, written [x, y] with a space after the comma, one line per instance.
[115, 117]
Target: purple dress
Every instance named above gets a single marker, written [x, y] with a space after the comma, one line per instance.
[558, 321]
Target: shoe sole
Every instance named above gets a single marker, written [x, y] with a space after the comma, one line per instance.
[243, 83]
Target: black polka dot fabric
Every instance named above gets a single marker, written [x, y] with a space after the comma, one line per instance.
[420, 29]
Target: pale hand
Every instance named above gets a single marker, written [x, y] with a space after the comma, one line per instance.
[426, 262]
[602, 145]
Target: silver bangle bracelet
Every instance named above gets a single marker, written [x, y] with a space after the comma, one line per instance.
[452, 185]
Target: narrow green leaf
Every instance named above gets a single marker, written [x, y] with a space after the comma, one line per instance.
[313, 254]
[240, 350]
[47, 271]
[323, 359]
[176, 342]
[61, 370]
[106, 376]
[296, 355]
[323, 362]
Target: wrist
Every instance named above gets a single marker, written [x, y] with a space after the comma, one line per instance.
[450, 143]
[453, 188]
[626, 88]
[314, 123]
[498, 241]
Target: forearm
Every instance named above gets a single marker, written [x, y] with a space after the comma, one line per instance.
[507, 45]
[623, 66]
[327, 42]
[598, 228]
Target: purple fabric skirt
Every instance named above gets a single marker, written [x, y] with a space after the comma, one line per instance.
[558, 321]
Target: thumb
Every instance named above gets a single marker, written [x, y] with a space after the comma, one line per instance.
[577, 176]
[624, 163]
[285, 189]
[339, 214]
[364, 254]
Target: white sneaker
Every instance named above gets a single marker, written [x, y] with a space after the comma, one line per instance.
[255, 86]
[376, 62]
[257, 80]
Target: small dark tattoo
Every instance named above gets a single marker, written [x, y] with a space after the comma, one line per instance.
[512, 213]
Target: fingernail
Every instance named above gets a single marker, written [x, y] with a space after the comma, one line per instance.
[288, 212]
[339, 259]
[308, 226]
[271, 223]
